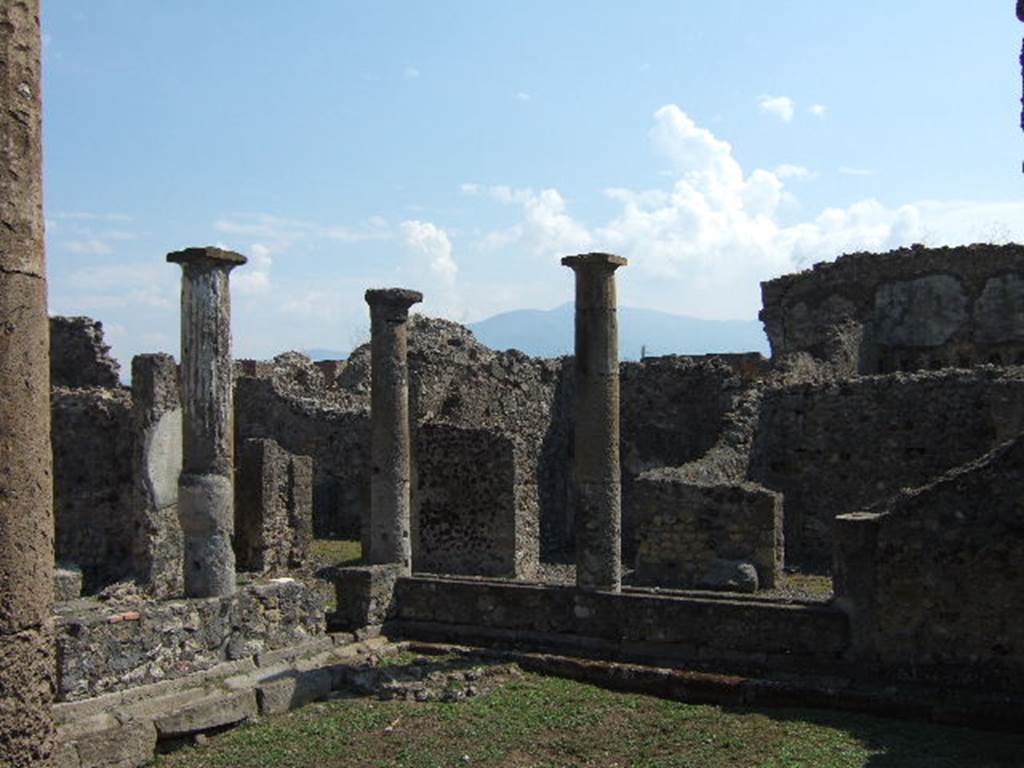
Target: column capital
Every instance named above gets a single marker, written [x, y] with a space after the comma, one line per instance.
[392, 298]
[207, 256]
[608, 261]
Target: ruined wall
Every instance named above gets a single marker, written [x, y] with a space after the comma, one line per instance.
[471, 514]
[707, 535]
[78, 355]
[909, 309]
[840, 446]
[93, 438]
[110, 647]
[273, 507]
[295, 407]
[933, 582]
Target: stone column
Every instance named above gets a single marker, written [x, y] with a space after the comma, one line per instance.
[27, 662]
[206, 487]
[597, 472]
[389, 539]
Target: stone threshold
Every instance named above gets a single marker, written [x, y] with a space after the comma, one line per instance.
[126, 728]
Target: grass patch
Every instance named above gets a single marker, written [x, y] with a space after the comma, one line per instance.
[327, 552]
[546, 722]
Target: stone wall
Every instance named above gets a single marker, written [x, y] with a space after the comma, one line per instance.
[471, 510]
[933, 581]
[78, 355]
[158, 548]
[631, 624]
[105, 647]
[707, 535]
[273, 507]
[93, 441]
[909, 309]
[840, 446]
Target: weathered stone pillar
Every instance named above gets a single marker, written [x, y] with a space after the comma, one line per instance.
[389, 540]
[156, 469]
[27, 665]
[597, 472]
[206, 487]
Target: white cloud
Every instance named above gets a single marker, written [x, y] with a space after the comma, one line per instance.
[254, 277]
[848, 171]
[523, 96]
[781, 107]
[791, 171]
[410, 73]
[91, 247]
[818, 110]
[432, 241]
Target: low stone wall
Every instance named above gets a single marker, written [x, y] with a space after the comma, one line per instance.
[710, 535]
[105, 647]
[93, 440]
[471, 513]
[633, 624]
[933, 582]
[840, 446]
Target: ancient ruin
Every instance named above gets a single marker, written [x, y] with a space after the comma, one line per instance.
[839, 525]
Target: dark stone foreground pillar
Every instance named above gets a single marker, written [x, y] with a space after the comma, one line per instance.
[389, 540]
[597, 471]
[206, 487]
[27, 664]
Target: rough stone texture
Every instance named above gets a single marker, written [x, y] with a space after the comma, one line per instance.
[273, 507]
[913, 308]
[291, 404]
[204, 507]
[293, 690]
[365, 594]
[67, 582]
[78, 355]
[687, 529]
[596, 465]
[630, 624]
[213, 711]
[157, 547]
[838, 447]
[389, 538]
[676, 410]
[104, 647]
[26, 691]
[26, 500]
[92, 458]
[932, 579]
[469, 513]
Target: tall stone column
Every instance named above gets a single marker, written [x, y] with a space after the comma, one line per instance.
[206, 487]
[27, 664]
[389, 536]
[597, 472]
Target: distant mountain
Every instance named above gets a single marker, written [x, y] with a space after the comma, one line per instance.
[320, 353]
[548, 333]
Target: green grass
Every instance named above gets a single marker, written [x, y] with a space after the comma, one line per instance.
[547, 722]
[336, 552]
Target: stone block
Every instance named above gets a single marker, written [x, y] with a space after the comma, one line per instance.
[292, 690]
[212, 711]
[125, 745]
[79, 357]
[365, 594]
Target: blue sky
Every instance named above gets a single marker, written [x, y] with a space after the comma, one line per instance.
[461, 148]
